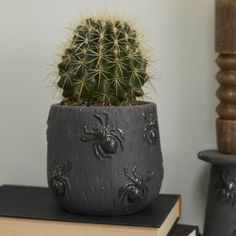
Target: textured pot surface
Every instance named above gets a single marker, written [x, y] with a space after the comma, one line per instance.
[104, 160]
[221, 202]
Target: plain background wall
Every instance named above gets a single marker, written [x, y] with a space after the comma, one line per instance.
[180, 34]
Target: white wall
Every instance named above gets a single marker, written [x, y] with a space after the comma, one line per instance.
[181, 36]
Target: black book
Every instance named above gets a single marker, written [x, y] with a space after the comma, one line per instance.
[27, 211]
[184, 230]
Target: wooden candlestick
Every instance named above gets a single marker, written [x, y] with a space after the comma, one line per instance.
[225, 44]
[221, 201]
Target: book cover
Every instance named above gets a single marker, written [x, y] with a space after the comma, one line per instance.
[20, 205]
[184, 230]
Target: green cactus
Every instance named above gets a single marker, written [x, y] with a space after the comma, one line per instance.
[103, 64]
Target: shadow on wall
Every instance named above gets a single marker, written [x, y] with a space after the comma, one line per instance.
[202, 187]
[194, 86]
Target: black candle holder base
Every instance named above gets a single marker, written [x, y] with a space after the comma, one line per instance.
[220, 217]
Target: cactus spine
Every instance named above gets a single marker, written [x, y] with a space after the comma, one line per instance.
[103, 64]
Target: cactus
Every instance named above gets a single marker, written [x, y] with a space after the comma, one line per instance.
[103, 64]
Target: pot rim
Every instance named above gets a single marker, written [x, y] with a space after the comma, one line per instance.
[144, 103]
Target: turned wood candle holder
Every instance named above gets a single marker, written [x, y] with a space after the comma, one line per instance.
[225, 45]
[221, 202]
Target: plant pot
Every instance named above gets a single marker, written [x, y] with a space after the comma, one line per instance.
[104, 160]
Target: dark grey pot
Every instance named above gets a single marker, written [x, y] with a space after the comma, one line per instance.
[104, 160]
[221, 203]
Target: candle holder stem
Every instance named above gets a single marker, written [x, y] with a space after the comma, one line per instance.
[225, 45]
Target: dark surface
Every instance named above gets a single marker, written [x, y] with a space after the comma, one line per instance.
[221, 203]
[183, 230]
[92, 153]
[37, 203]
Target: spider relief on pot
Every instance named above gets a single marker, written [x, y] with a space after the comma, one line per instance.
[136, 190]
[151, 132]
[226, 189]
[234, 233]
[105, 137]
[59, 183]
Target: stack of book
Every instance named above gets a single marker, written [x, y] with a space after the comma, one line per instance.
[27, 211]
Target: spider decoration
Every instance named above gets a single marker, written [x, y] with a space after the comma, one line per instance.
[151, 133]
[136, 190]
[234, 233]
[226, 189]
[106, 138]
[59, 183]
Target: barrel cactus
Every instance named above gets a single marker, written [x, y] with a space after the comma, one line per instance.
[103, 64]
